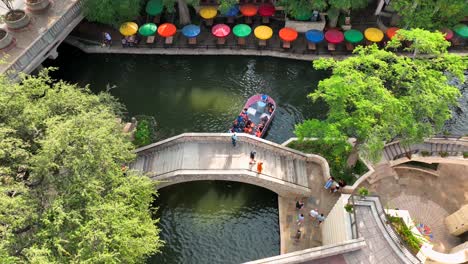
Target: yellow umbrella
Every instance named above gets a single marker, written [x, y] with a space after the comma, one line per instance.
[128, 28]
[263, 32]
[373, 34]
[208, 12]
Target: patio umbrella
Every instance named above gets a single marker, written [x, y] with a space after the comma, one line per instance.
[353, 36]
[391, 32]
[448, 33]
[314, 36]
[266, 10]
[334, 36]
[288, 34]
[233, 11]
[248, 10]
[220, 30]
[167, 30]
[461, 30]
[154, 7]
[128, 28]
[373, 34]
[148, 29]
[241, 30]
[263, 32]
[208, 12]
[191, 31]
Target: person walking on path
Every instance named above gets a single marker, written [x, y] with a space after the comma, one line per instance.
[234, 139]
[320, 218]
[299, 204]
[298, 235]
[300, 219]
[259, 167]
[107, 40]
[252, 157]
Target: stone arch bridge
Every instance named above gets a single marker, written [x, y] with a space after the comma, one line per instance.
[211, 156]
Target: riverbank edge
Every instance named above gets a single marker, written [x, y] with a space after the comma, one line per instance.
[74, 41]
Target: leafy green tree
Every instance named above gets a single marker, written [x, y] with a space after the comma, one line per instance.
[142, 134]
[421, 41]
[112, 12]
[63, 195]
[347, 5]
[377, 95]
[299, 8]
[431, 15]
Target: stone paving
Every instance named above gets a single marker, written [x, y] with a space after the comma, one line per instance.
[428, 198]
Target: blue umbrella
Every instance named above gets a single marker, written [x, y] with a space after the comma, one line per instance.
[233, 11]
[314, 35]
[191, 31]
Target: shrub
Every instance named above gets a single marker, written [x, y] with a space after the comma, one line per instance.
[413, 241]
[425, 153]
[465, 154]
[443, 154]
[363, 191]
[142, 134]
[349, 208]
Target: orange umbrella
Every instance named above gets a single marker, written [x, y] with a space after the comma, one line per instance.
[391, 32]
[167, 30]
[288, 34]
[248, 10]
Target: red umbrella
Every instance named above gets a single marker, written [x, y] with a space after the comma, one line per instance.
[391, 32]
[167, 30]
[266, 10]
[288, 34]
[334, 36]
[448, 33]
[248, 10]
[221, 30]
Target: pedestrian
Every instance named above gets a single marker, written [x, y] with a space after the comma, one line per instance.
[234, 139]
[300, 219]
[298, 234]
[320, 218]
[329, 183]
[252, 157]
[107, 39]
[314, 213]
[335, 187]
[259, 167]
[299, 204]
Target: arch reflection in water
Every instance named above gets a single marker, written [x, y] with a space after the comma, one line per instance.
[217, 222]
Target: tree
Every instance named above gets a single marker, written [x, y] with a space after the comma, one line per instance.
[112, 12]
[63, 195]
[303, 8]
[347, 5]
[431, 15]
[421, 41]
[377, 95]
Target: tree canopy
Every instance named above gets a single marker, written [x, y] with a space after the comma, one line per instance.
[112, 12]
[298, 8]
[63, 195]
[432, 15]
[421, 41]
[377, 95]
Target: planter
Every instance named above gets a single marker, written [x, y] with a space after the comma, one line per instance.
[303, 26]
[5, 39]
[16, 19]
[37, 5]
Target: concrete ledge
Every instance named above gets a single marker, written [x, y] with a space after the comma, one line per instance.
[314, 253]
[414, 168]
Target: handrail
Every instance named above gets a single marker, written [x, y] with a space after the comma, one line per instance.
[354, 225]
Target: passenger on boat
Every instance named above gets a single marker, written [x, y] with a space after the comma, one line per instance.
[271, 107]
[244, 114]
[264, 118]
[264, 98]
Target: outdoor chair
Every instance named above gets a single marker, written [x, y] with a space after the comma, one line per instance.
[262, 43]
[349, 46]
[241, 41]
[150, 40]
[286, 45]
[169, 40]
[221, 41]
[192, 41]
[331, 47]
[311, 46]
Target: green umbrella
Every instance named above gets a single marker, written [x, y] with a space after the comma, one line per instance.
[461, 30]
[148, 29]
[242, 30]
[353, 36]
[154, 7]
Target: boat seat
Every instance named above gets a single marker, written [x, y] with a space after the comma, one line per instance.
[265, 114]
[251, 111]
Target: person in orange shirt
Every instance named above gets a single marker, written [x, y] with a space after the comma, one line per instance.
[259, 167]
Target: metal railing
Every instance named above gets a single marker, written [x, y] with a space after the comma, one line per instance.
[353, 219]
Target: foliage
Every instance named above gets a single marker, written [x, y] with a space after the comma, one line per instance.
[63, 196]
[8, 4]
[443, 154]
[422, 41]
[297, 8]
[334, 152]
[465, 154]
[425, 153]
[349, 208]
[431, 15]
[145, 133]
[348, 4]
[363, 191]
[225, 5]
[112, 12]
[413, 241]
[377, 95]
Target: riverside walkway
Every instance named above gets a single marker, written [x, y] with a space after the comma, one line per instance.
[211, 156]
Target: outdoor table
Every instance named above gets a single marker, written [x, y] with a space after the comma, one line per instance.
[221, 31]
[313, 37]
[167, 31]
[191, 32]
[263, 33]
[391, 32]
[241, 31]
[154, 8]
[208, 13]
[352, 37]
[373, 35]
[248, 11]
[288, 35]
[333, 37]
[447, 33]
[128, 28]
[266, 11]
[232, 13]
